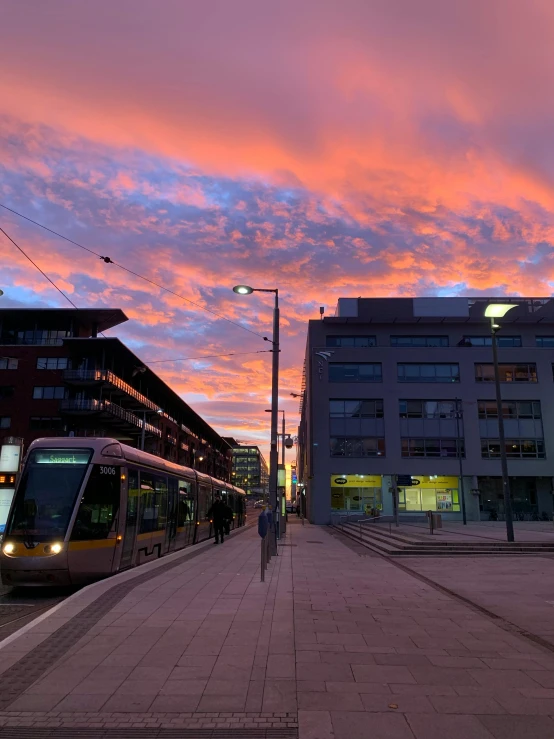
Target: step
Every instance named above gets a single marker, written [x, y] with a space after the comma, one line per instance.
[439, 542]
[383, 546]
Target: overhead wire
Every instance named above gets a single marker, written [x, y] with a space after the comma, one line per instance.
[109, 260]
[39, 269]
[206, 356]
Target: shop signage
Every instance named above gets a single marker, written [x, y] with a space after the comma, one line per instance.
[405, 481]
[356, 481]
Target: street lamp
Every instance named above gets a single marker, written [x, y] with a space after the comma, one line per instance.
[143, 432]
[459, 414]
[273, 457]
[494, 311]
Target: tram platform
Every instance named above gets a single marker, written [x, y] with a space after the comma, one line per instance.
[337, 643]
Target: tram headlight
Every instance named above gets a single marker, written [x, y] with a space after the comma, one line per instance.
[56, 548]
[8, 548]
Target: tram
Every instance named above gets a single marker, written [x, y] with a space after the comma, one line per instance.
[87, 508]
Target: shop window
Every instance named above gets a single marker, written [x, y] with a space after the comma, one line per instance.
[412, 372]
[365, 372]
[507, 372]
[433, 493]
[407, 341]
[356, 493]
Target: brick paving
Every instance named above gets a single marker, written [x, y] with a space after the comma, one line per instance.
[338, 642]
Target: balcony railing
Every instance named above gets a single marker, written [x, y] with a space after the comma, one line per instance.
[92, 405]
[109, 377]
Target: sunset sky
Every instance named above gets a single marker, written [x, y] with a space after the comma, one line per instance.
[329, 148]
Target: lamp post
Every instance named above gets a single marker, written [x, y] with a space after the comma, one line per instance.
[143, 431]
[273, 457]
[494, 311]
[459, 412]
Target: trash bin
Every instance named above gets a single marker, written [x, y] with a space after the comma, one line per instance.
[437, 521]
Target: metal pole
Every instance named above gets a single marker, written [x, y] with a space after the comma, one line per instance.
[143, 430]
[273, 456]
[502, 440]
[395, 494]
[459, 455]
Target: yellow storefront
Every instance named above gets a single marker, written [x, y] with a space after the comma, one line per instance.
[432, 493]
[356, 493]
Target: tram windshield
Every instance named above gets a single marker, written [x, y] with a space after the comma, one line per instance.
[47, 493]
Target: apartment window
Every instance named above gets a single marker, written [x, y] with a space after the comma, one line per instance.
[366, 372]
[40, 336]
[510, 409]
[427, 408]
[433, 448]
[6, 391]
[8, 363]
[356, 342]
[356, 408]
[357, 446]
[507, 372]
[5, 422]
[45, 423]
[545, 341]
[515, 449]
[411, 372]
[418, 341]
[48, 392]
[53, 363]
[503, 341]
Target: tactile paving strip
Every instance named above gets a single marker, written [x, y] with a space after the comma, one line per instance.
[130, 733]
[15, 681]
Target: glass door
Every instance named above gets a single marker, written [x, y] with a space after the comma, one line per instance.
[130, 532]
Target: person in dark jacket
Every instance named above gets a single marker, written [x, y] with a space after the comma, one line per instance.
[217, 514]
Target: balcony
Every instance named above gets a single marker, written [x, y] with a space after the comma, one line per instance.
[84, 378]
[109, 411]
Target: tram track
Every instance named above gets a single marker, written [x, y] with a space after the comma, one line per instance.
[19, 606]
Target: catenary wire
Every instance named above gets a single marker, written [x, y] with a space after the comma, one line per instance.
[39, 269]
[108, 260]
[206, 356]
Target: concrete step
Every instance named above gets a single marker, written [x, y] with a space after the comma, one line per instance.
[383, 545]
[440, 542]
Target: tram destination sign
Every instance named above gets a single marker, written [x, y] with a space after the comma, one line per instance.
[61, 456]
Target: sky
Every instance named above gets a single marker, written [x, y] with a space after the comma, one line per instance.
[329, 148]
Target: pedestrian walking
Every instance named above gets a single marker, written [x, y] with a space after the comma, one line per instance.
[228, 518]
[217, 515]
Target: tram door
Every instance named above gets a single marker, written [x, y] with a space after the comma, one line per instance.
[131, 518]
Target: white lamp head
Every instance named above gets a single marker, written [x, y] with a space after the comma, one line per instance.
[498, 310]
[243, 289]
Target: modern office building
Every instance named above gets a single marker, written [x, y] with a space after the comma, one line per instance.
[249, 469]
[399, 386]
[60, 377]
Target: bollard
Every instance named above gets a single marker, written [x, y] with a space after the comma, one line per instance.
[263, 563]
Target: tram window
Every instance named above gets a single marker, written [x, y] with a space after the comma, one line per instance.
[153, 491]
[46, 496]
[204, 502]
[99, 505]
[186, 503]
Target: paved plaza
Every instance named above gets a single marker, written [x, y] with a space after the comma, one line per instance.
[338, 641]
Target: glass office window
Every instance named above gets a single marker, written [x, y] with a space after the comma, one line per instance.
[412, 372]
[407, 341]
[524, 372]
[356, 342]
[362, 372]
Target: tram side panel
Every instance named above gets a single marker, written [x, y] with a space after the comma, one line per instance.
[204, 525]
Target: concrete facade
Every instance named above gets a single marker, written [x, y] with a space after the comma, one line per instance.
[459, 337]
